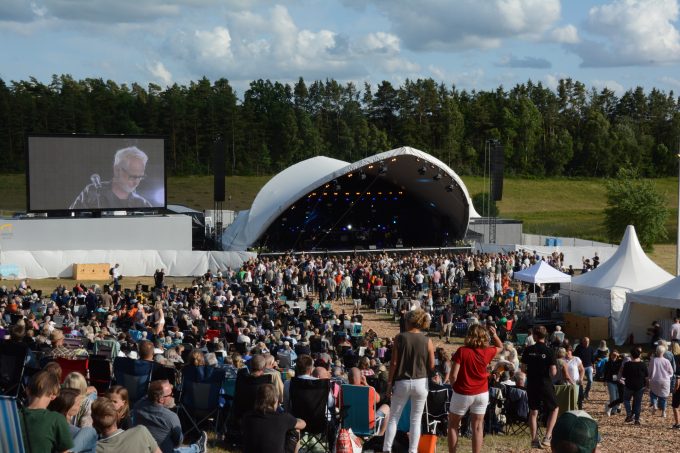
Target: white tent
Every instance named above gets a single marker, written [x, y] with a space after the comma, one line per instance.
[602, 292]
[540, 273]
[654, 304]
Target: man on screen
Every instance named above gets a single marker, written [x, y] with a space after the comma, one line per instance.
[129, 165]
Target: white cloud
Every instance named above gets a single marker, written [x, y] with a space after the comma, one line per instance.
[160, 72]
[213, 44]
[380, 42]
[512, 61]
[465, 24]
[249, 45]
[552, 81]
[567, 35]
[672, 81]
[610, 84]
[436, 72]
[631, 32]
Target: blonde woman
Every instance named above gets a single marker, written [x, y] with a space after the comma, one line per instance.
[78, 382]
[412, 361]
[158, 318]
[470, 381]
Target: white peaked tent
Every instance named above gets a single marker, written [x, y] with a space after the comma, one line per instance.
[602, 292]
[653, 304]
[540, 273]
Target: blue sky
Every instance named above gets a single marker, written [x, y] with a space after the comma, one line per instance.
[472, 44]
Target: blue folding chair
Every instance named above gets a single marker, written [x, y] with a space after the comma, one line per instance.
[199, 399]
[10, 427]
[404, 423]
[134, 375]
[136, 335]
[358, 409]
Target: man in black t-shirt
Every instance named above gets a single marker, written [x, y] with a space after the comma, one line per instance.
[538, 363]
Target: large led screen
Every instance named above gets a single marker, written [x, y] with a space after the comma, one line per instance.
[93, 173]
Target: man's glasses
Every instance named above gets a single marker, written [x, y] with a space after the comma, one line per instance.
[133, 177]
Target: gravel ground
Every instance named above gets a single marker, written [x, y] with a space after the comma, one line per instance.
[653, 435]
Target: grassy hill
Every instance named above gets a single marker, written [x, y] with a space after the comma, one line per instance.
[560, 207]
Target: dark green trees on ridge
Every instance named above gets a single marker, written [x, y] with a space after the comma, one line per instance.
[572, 131]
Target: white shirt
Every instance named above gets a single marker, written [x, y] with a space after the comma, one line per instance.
[572, 368]
[675, 331]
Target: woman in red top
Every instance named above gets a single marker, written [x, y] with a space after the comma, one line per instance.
[469, 378]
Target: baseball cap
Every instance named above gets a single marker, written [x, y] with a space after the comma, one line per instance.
[577, 428]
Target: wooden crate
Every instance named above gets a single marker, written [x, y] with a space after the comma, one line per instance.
[91, 271]
[579, 326]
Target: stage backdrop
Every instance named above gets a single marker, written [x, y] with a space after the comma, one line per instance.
[133, 263]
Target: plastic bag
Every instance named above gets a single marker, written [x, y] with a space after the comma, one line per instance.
[347, 442]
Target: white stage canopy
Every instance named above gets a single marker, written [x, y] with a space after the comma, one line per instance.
[540, 273]
[602, 292]
[296, 181]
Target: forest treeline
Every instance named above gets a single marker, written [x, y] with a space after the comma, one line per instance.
[572, 131]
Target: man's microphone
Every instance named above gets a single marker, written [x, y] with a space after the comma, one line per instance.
[96, 180]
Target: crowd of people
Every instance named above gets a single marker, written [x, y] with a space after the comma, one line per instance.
[302, 317]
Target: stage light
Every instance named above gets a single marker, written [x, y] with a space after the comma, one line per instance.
[438, 176]
[450, 188]
[338, 187]
[383, 170]
[422, 170]
[349, 227]
[362, 175]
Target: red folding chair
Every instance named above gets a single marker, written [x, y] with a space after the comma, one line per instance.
[211, 334]
[71, 365]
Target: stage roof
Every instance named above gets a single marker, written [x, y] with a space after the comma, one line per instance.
[420, 174]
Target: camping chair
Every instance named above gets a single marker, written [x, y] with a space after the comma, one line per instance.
[516, 411]
[492, 419]
[58, 321]
[358, 409]
[136, 335]
[460, 328]
[229, 391]
[134, 375]
[12, 366]
[199, 399]
[244, 400]
[106, 348]
[436, 412]
[309, 401]
[99, 369]
[71, 366]
[521, 340]
[211, 334]
[11, 440]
